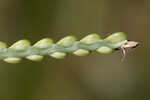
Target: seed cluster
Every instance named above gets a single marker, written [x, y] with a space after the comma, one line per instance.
[69, 44]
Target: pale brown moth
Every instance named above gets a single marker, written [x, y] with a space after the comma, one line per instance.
[127, 46]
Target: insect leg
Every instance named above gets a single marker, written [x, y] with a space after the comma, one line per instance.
[123, 52]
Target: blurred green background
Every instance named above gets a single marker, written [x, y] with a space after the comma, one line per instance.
[95, 77]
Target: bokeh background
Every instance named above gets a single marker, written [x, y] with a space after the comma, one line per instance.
[95, 77]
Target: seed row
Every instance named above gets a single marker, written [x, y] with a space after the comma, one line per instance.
[23, 49]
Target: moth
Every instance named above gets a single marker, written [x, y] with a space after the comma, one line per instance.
[128, 46]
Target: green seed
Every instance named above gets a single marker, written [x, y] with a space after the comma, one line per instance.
[90, 38]
[12, 60]
[58, 55]
[67, 41]
[35, 57]
[81, 52]
[44, 43]
[104, 50]
[21, 45]
[116, 38]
